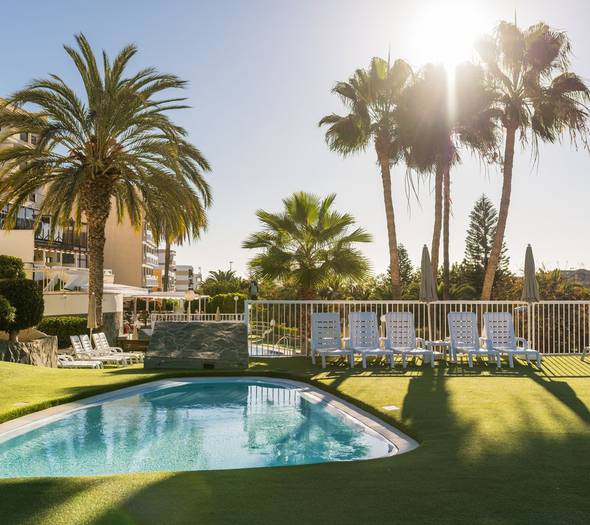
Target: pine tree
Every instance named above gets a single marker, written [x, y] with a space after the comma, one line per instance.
[483, 220]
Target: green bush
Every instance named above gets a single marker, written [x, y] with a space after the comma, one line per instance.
[11, 267]
[27, 299]
[226, 303]
[7, 311]
[63, 327]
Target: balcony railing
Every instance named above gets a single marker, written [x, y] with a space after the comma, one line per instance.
[283, 328]
[64, 240]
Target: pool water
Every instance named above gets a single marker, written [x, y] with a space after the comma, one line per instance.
[205, 425]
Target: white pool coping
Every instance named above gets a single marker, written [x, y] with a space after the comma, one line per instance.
[401, 443]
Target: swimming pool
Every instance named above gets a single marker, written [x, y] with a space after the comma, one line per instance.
[194, 424]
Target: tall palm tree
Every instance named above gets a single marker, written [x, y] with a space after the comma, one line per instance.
[307, 244]
[438, 116]
[372, 96]
[168, 225]
[113, 146]
[537, 96]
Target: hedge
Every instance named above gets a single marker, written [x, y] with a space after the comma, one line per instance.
[63, 327]
[226, 303]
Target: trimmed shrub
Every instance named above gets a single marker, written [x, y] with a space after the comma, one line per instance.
[7, 311]
[63, 327]
[11, 267]
[226, 303]
[27, 299]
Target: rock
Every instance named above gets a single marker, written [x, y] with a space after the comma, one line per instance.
[37, 352]
[198, 345]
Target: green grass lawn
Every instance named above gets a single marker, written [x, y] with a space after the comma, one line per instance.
[496, 447]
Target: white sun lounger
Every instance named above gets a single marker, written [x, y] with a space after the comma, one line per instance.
[500, 337]
[400, 337]
[465, 338]
[102, 345]
[326, 338]
[364, 337]
[83, 349]
[67, 361]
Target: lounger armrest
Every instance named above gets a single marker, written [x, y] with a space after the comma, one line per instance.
[421, 342]
[523, 341]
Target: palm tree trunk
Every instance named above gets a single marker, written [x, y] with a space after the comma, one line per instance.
[166, 266]
[496, 250]
[446, 217]
[438, 190]
[391, 234]
[97, 206]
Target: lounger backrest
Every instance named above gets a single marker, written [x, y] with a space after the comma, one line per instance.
[400, 331]
[86, 344]
[76, 344]
[499, 330]
[364, 330]
[463, 329]
[99, 342]
[325, 331]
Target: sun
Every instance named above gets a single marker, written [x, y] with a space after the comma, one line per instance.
[445, 32]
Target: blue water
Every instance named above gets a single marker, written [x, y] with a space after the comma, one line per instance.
[193, 426]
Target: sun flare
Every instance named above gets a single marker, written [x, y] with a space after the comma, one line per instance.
[445, 32]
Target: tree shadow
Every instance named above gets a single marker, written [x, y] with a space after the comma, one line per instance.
[479, 462]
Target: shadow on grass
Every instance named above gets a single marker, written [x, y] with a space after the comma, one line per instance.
[470, 468]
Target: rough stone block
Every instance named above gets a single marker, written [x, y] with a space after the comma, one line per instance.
[198, 345]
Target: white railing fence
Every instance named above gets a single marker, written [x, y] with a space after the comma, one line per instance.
[196, 317]
[283, 328]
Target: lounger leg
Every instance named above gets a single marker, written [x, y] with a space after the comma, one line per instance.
[432, 360]
[470, 360]
[323, 360]
[364, 361]
[404, 360]
[351, 360]
[498, 361]
[528, 359]
[539, 359]
[313, 357]
[511, 360]
[391, 360]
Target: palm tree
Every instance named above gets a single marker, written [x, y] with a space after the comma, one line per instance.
[167, 224]
[115, 146]
[537, 96]
[372, 96]
[308, 244]
[437, 117]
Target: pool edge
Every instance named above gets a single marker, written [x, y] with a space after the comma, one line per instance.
[401, 441]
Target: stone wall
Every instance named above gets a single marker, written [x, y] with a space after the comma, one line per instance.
[198, 345]
[39, 352]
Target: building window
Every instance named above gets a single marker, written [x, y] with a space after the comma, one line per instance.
[33, 139]
[68, 258]
[24, 136]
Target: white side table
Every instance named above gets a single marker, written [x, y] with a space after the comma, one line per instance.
[439, 348]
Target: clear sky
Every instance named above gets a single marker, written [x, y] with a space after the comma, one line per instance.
[260, 75]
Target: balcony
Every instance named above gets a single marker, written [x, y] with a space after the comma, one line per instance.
[67, 240]
[25, 219]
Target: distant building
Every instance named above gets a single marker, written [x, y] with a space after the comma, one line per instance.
[580, 275]
[184, 277]
[159, 272]
[67, 247]
[131, 253]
